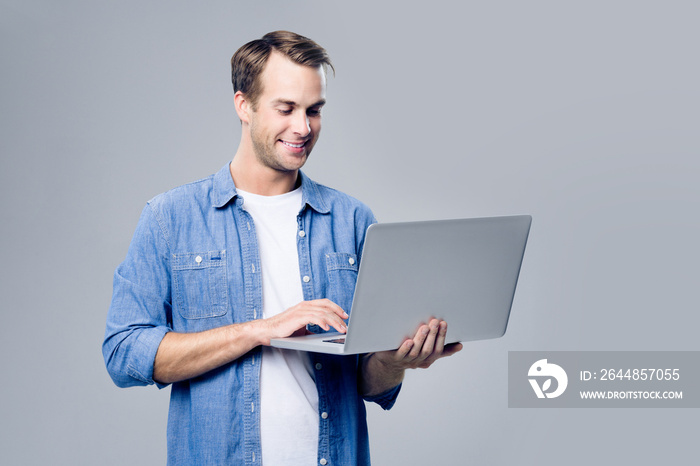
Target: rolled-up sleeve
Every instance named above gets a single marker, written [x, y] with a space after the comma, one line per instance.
[140, 312]
[386, 399]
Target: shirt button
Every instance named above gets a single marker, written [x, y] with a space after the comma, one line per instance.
[352, 261]
[323, 461]
[319, 366]
[324, 415]
[306, 279]
[198, 259]
[302, 233]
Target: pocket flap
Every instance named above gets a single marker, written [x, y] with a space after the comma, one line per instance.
[341, 261]
[198, 260]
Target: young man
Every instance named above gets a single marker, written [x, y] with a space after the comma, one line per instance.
[218, 267]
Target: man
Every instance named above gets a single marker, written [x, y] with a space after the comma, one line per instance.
[218, 267]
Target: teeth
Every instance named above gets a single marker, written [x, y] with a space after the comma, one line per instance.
[293, 145]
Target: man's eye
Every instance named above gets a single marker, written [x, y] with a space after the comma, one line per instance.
[314, 112]
[285, 112]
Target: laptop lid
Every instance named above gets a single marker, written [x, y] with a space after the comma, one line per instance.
[463, 271]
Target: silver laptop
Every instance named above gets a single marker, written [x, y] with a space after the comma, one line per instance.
[462, 271]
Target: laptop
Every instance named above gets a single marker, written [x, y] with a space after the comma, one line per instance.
[463, 271]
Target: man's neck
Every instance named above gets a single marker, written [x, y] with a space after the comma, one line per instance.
[255, 178]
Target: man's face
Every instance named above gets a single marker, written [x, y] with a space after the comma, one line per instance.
[286, 121]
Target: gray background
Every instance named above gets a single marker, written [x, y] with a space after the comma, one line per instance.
[582, 114]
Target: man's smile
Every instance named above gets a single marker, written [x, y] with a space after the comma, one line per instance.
[298, 145]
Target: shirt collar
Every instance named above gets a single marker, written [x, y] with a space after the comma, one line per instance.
[225, 191]
[311, 195]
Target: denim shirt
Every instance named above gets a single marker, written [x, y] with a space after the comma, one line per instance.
[194, 265]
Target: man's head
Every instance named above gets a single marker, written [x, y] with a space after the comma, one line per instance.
[248, 63]
[280, 88]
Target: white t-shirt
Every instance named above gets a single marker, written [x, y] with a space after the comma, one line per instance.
[288, 396]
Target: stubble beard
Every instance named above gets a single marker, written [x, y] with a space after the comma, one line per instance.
[266, 153]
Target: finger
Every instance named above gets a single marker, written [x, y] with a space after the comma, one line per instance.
[429, 343]
[337, 318]
[339, 326]
[331, 306]
[326, 321]
[327, 314]
[442, 334]
[330, 313]
[452, 348]
[403, 350]
[318, 312]
[418, 341]
[430, 355]
[449, 350]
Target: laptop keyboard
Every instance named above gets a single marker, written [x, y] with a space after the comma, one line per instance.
[340, 340]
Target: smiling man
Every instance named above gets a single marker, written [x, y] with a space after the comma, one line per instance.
[256, 251]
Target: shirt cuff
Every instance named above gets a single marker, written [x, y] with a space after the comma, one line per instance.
[385, 399]
[149, 340]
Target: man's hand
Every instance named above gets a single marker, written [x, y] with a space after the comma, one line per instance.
[426, 347]
[384, 370]
[322, 312]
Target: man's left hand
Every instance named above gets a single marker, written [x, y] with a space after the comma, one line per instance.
[385, 369]
[426, 347]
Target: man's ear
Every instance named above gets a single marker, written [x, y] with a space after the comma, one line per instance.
[243, 107]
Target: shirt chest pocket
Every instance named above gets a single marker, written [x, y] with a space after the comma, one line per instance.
[342, 278]
[200, 287]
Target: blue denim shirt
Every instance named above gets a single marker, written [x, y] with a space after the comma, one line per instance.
[193, 265]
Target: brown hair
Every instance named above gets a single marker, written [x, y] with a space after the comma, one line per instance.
[248, 62]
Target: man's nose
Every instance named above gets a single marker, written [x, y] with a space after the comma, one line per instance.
[301, 125]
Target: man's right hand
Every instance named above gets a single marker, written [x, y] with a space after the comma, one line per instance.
[322, 312]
